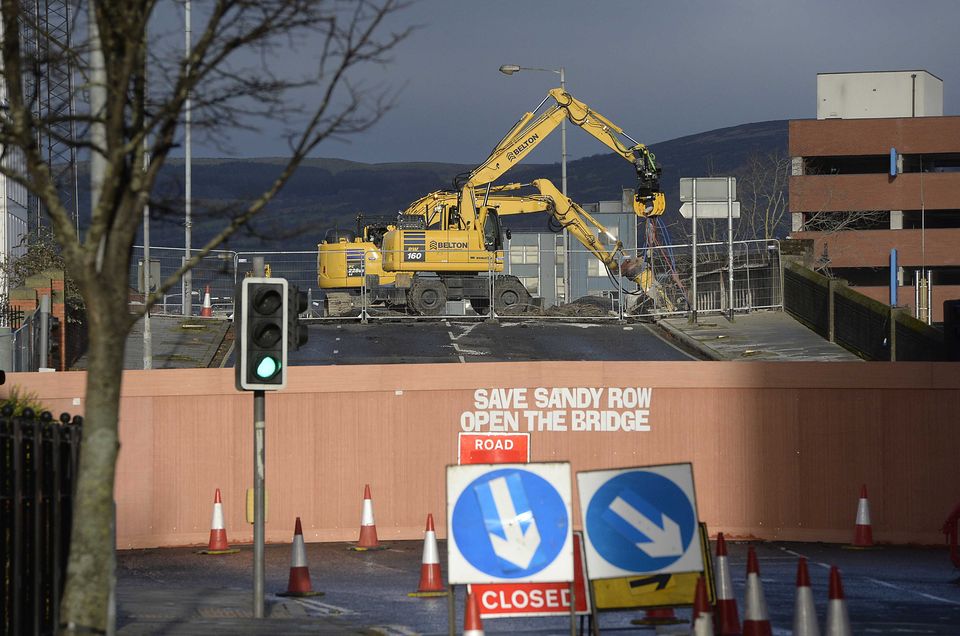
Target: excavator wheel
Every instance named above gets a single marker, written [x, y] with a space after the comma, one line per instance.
[427, 297]
[510, 297]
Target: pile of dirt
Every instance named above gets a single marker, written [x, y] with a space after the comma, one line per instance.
[587, 306]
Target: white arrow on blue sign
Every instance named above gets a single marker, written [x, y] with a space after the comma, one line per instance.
[639, 520]
[509, 523]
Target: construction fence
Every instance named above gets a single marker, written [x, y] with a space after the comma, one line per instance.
[563, 283]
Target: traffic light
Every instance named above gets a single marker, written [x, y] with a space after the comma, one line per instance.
[260, 323]
[296, 333]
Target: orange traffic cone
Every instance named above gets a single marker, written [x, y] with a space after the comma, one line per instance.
[472, 625]
[805, 614]
[665, 616]
[218, 534]
[702, 615]
[368, 527]
[863, 532]
[838, 622]
[756, 620]
[727, 618]
[431, 581]
[207, 310]
[299, 582]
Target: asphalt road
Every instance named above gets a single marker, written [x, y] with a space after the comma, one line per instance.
[894, 590]
[466, 341]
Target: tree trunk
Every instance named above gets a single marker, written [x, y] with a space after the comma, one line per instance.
[86, 595]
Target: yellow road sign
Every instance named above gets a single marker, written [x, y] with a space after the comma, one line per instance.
[656, 590]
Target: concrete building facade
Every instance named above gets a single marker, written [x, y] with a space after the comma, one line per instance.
[879, 169]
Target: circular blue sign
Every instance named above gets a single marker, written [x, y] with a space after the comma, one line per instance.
[510, 523]
[641, 521]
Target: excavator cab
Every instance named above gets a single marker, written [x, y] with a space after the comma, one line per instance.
[492, 231]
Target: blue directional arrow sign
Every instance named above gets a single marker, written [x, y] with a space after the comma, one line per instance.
[509, 523]
[639, 520]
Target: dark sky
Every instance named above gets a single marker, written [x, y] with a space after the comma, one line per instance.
[660, 70]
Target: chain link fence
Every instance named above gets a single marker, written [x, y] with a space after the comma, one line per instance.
[563, 284]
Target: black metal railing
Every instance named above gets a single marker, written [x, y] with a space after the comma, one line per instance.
[38, 468]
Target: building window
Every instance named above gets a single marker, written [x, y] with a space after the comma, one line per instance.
[524, 254]
[532, 283]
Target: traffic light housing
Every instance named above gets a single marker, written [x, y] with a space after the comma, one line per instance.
[296, 333]
[261, 326]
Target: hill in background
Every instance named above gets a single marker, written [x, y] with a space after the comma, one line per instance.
[325, 193]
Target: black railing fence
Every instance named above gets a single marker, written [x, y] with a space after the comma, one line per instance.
[38, 467]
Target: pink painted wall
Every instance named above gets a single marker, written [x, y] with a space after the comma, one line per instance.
[779, 449]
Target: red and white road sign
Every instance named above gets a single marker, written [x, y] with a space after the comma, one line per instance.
[493, 448]
[503, 600]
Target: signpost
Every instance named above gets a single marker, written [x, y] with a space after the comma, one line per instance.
[504, 600]
[509, 523]
[493, 448]
[656, 590]
[640, 521]
[694, 192]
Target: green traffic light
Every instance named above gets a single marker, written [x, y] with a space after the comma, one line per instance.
[267, 367]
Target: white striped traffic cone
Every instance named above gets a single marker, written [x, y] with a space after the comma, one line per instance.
[207, 310]
[368, 527]
[702, 621]
[756, 619]
[299, 582]
[726, 620]
[805, 614]
[863, 532]
[838, 622]
[472, 624]
[431, 581]
[218, 533]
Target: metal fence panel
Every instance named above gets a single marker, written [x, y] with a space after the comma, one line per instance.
[756, 264]
[38, 462]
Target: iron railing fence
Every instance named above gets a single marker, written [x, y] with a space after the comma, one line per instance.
[756, 281]
[39, 457]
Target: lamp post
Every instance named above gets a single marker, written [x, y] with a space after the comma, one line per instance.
[510, 69]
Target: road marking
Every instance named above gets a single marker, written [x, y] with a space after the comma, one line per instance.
[323, 609]
[392, 630]
[885, 583]
[466, 330]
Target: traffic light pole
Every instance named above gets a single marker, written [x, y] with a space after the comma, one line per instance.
[259, 429]
[259, 472]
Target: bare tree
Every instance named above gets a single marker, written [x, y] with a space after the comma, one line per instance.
[231, 57]
[762, 192]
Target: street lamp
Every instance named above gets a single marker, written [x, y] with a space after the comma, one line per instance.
[510, 69]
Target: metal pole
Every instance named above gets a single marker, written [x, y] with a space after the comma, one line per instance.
[451, 611]
[259, 498]
[693, 286]
[730, 240]
[147, 333]
[44, 330]
[929, 296]
[259, 426]
[187, 158]
[916, 294]
[563, 189]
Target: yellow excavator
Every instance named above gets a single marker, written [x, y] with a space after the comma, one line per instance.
[448, 245]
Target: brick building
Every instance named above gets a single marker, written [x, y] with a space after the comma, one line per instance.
[880, 169]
